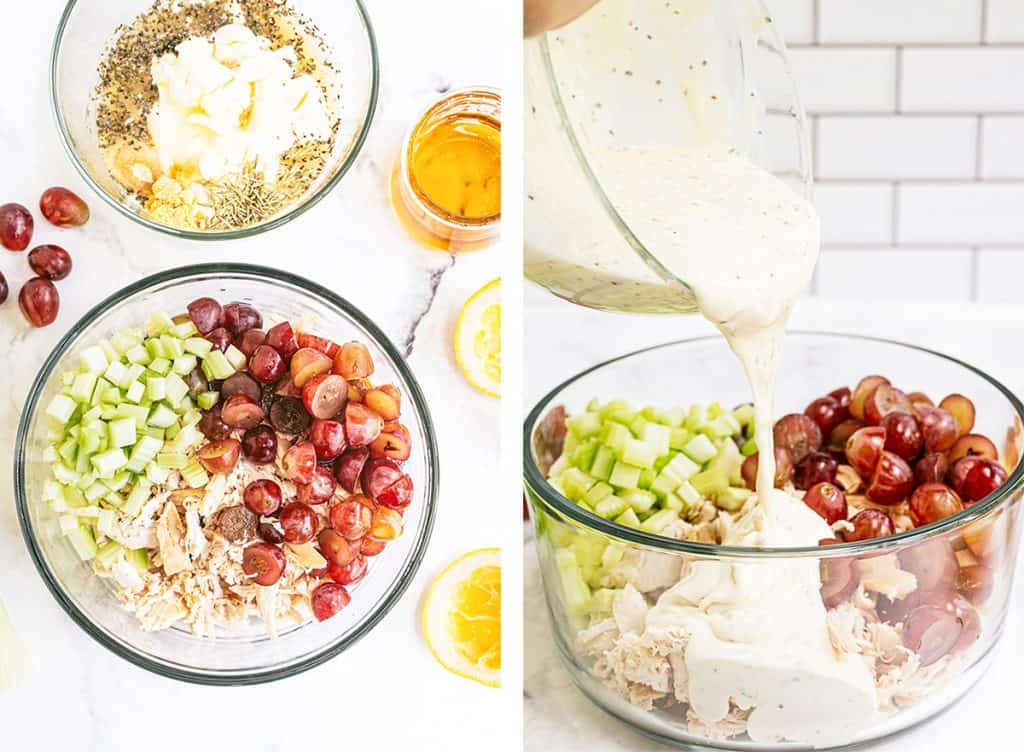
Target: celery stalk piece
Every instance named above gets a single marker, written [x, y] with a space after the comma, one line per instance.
[174, 346]
[108, 463]
[219, 366]
[161, 366]
[61, 408]
[135, 392]
[158, 323]
[137, 498]
[144, 452]
[184, 364]
[156, 388]
[122, 432]
[162, 416]
[629, 519]
[195, 475]
[184, 330]
[115, 372]
[83, 542]
[624, 476]
[171, 460]
[108, 554]
[82, 386]
[94, 360]
[207, 400]
[639, 453]
[700, 449]
[176, 388]
[574, 587]
[138, 558]
[198, 346]
[138, 355]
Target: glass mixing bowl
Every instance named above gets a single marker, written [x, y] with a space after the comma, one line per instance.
[636, 74]
[580, 553]
[249, 657]
[88, 26]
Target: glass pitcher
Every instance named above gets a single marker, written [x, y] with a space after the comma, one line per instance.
[635, 73]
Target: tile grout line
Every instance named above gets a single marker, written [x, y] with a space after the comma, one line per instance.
[898, 81]
[816, 22]
[984, 22]
[895, 228]
[979, 149]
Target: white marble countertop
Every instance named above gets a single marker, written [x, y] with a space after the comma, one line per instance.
[567, 339]
[83, 697]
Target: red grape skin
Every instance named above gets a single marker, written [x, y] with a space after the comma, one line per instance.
[63, 208]
[869, 524]
[262, 497]
[16, 227]
[982, 479]
[892, 481]
[4, 289]
[932, 502]
[50, 261]
[265, 561]
[783, 468]
[266, 364]
[817, 467]
[938, 428]
[799, 434]
[828, 501]
[39, 301]
[931, 468]
[298, 521]
[328, 599]
[842, 395]
[259, 445]
[241, 317]
[864, 449]
[902, 435]
[826, 412]
[206, 314]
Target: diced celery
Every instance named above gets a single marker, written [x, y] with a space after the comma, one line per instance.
[744, 414]
[131, 374]
[235, 357]
[171, 460]
[723, 427]
[198, 346]
[108, 350]
[68, 523]
[601, 602]
[673, 417]
[51, 490]
[574, 588]
[694, 418]
[138, 354]
[688, 493]
[124, 341]
[188, 437]
[61, 408]
[91, 438]
[604, 460]
[191, 418]
[122, 432]
[176, 388]
[673, 502]
[173, 346]
[636, 426]
[105, 522]
[162, 416]
[610, 507]
[108, 554]
[108, 463]
[73, 497]
[68, 451]
[660, 520]
[749, 447]
[156, 388]
[624, 476]
[113, 499]
[161, 366]
[115, 372]
[583, 455]
[700, 449]
[715, 409]
[639, 453]
[119, 481]
[91, 511]
[135, 392]
[184, 364]
[138, 558]
[157, 474]
[641, 501]
[172, 430]
[658, 435]
[733, 499]
[219, 366]
[64, 474]
[612, 554]
[49, 454]
[195, 475]
[711, 482]
[138, 496]
[184, 330]
[598, 492]
[158, 323]
[576, 483]
[94, 360]
[666, 482]
[615, 435]
[647, 477]
[207, 400]
[629, 519]
[156, 348]
[143, 453]
[95, 491]
[682, 467]
[584, 425]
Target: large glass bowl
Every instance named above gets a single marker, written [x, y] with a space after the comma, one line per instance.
[636, 74]
[703, 370]
[250, 657]
[88, 26]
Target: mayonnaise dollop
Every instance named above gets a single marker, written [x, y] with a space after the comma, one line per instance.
[230, 103]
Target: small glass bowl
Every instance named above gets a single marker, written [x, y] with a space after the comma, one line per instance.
[87, 27]
[249, 657]
[429, 223]
[705, 370]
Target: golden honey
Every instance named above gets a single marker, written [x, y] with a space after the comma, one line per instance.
[446, 185]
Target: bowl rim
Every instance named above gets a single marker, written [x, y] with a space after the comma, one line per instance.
[245, 232]
[537, 484]
[234, 677]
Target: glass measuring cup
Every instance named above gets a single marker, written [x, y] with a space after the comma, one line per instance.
[631, 73]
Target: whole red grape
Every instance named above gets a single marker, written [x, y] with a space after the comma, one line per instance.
[938, 428]
[63, 208]
[869, 524]
[50, 261]
[933, 502]
[828, 501]
[824, 411]
[817, 467]
[799, 434]
[982, 479]
[16, 227]
[864, 449]
[39, 301]
[902, 435]
[931, 468]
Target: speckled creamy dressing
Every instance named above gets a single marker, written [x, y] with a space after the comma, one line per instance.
[745, 245]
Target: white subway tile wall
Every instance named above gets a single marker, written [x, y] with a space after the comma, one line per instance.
[917, 122]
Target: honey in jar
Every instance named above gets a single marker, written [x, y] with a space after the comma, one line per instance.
[446, 186]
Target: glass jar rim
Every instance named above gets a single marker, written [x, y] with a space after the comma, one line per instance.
[318, 655]
[423, 202]
[538, 484]
[244, 232]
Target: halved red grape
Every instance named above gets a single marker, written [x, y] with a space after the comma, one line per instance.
[350, 573]
[241, 383]
[828, 501]
[362, 425]
[325, 395]
[236, 523]
[931, 468]
[885, 399]
[892, 481]
[326, 346]
[869, 524]
[50, 261]
[377, 475]
[931, 633]
[299, 462]
[953, 603]
[271, 532]
[328, 599]
[824, 411]
[328, 437]
[938, 428]
[353, 361]
[962, 410]
[393, 442]
[206, 314]
[984, 477]
[933, 502]
[357, 390]
[398, 495]
[839, 577]
[975, 583]
[264, 562]
[352, 517]
[917, 399]
[241, 411]
[220, 456]
[349, 466]
[241, 317]
[39, 301]
[932, 562]
[16, 225]
[387, 524]
[973, 445]
[307, 363]
[266, 364]
[320, 489]
[220, 337]
[864, 449]
[282, 338]
[842, 395]
[63, 208]
[861, 393]
[799, 434]
[298, 522]
[385, 401]
[817, 467]
[836, 441]
[334, 547]
[370, 546]
[902, 435]
[286, 388]
[249, 340]
[288, 415]
[259, 444]
[262, 497]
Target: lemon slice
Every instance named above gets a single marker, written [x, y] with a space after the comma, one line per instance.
[462, 617]
[478, 339]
